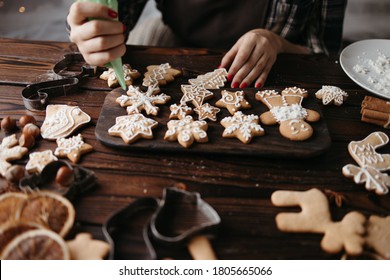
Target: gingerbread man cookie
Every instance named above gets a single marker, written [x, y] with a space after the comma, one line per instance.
[315, 217]
[129, 75]
[160, 75]
[243, 127]
[133, 127]
[9, 151]
[72, 148]
[370, 163]
[62, 121]
[186, 131]
[211, 80]
[331, 95]
[233, 101]
[286, 109]
[137, 100]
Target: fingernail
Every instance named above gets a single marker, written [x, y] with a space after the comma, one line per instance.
[258, 85]
[243, 85]
[235, 85]
[220, 66]
[229, 77]
[112, 13]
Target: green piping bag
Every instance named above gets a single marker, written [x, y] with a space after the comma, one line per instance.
[117, 63]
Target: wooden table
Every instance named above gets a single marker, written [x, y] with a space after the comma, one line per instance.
[238, 187]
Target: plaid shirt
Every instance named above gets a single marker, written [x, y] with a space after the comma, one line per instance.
[313, 23]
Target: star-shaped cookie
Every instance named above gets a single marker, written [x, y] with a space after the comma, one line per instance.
[39, 160]
[207, 111]
[186, 131]
[132, 127]
[179, 111]
[137, 100]
[72, 148]
[243, 127]
[83, 247]
[129, 75]
[233, 101]
[196, 94]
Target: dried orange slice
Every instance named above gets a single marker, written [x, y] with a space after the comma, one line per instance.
[12, 229]
[50, 210]
[9, 204]
[39, 244]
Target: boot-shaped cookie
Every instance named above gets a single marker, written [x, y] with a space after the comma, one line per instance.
[286, 109]
[370, 163]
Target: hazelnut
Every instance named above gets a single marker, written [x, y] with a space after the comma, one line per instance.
[65, 176]
[14, 173]
[8, 124]
[27, 141]
[26, 119]
[32, 130]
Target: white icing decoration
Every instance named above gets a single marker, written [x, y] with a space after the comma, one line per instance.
[240, 123]
[66, 146]
[289, 112]
[211, 80]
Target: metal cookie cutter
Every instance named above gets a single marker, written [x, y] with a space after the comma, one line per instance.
[84, 180]
[127, 231]
[183, 217]
[35, 95]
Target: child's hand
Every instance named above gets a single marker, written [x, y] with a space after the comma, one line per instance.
[99, 41]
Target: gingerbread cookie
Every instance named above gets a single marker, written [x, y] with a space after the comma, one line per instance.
[233, 101]
[62, 121]
[315, 217]
[378, 235]
[129, 75]
[179, 111]
[207, 111]
[211, 80]
[72, 148]
[243, 127]
[331, 95]
[39, 160]
[83, 247]
[133, 127]
[286, 109]
[9, 151]
[160, 75]
[196, 94]
[370, 163]
[186, 131]
[137, 100]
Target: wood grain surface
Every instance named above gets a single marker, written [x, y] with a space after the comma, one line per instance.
[238, 187]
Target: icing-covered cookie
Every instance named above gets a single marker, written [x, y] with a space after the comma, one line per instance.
[233, 101]
[136, 100]
[331, 95]
[62, 121]
[133, 127]
[211, 80]
[9, 151]
[160, 74]
[207, 111]
[39, 160]
[243, 127]
[186, 131]
[129, 75]
[179, 111]
[72, 148]
[196, 94]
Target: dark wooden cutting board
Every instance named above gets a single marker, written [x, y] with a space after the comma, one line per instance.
[272, 144]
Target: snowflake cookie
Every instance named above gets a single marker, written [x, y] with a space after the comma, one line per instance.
[233, 101]
[160, 74]
[187, 130]
[72, 148]
[129, 75]
[10, 150]
[243, 127]
[133, 127]
[137, 100]
[331, 95]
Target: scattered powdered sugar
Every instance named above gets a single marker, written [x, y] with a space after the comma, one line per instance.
[377, 71]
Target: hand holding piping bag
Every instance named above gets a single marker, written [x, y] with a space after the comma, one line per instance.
[117, 63]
